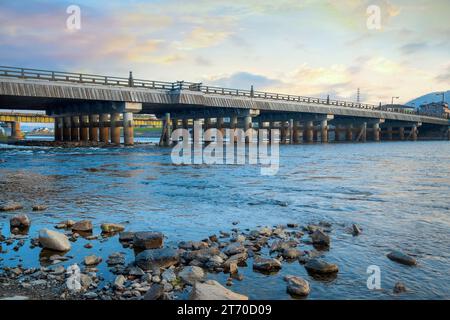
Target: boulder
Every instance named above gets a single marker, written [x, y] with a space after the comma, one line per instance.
[402, 258]
[212, 290]
[319, 237]
[126, 236]
[265, 232]
[239, 259]
[115, 259]
[297, 286]
[317, 266]
[112, 227]
[11, 206]
[148, 240]
[266, 265]
[399, 288]
[192, 274]
[157, 258]
[202, 255]
[291, 253]
[156, 292]
[20, 221]
[234, 248]
[82, 226]
[169, 275]
[119, 281]
[54, 240]
[92, 260]
[39, 207]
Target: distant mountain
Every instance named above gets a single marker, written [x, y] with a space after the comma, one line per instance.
[428, 98]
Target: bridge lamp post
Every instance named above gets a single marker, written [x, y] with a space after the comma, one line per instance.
[392, 101]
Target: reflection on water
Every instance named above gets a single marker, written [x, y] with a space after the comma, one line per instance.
[397, 192]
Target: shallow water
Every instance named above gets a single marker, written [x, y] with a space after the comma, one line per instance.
[397, 191]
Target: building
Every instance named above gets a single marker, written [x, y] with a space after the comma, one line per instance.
[397, 108]
[439, 109]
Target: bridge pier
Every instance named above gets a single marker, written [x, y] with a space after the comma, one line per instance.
[376, 132]
[166, 131]
[66, 129]
[324, 131]
[309, 132]
[16, 133]
[93, 127]
[414, 133]
[248, 125]
[349, 133]
[401, 132]
[58, 128]
[74, 130]
[84, 128]
[390, 133]
[115, 128]
[128, 128]
[298, 133]
[103, 127]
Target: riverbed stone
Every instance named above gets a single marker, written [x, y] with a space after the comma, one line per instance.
[83, 226]
[319, 237]
[297, 286]
[119, 281]
[39, 207]
[112, 227]
[356, 230]
[20, 221]
[54, 240]
[266, 265]
[10, 206]
[318, 266]
[92, 260]
[148, 240]
[402, 258]
[212, 290]
[156, 292]
[157, 258]
[399, 288]
[234, 248]
[291, 253]
[191, 274]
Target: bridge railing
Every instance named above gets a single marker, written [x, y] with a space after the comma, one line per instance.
[84, 78]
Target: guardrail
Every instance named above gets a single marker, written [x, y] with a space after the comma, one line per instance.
[84, 78]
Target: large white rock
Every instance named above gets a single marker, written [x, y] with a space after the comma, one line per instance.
[54, 240]
[212, 290]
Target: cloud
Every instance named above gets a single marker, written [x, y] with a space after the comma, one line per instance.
[242, 80]
[411, 48]
[444, 77]
[201, 37]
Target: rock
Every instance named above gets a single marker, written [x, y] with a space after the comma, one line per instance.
[192, 274]
[202, 255]
[83, 226]
[135, 271]
[90, 295]
[402, 258]
[317, 266]
[126, 236]
[399, 288]
[162, 258]
[320, 238]
[266, 265]
[148, 240]
[291, 253]
[11, 206]
[213, 238]
[212, 290]
[292, 225]
[356, 230]
[85, 281]
[297, 286]
[20, 221]
[54, 240]
[112, 227]
[232, 268]
[39, 207]
[265, 232]
[239, 259]
[156, 292]
[234, 248]
[169, 275]
[88, 246]
[282, 245]
[119, 281]
[238, 238]
[92, 260]
[115, 259]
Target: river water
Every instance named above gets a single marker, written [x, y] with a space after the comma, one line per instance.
[398, 192]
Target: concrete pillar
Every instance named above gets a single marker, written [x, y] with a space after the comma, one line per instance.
[414, 133]
[166, 130]
[364, 132]
[115, 128]
[93, 127]
[283, 133]
[349, 133]
[84, 128]
[233, 126]
[401, 132]
[324, 131]
[128, 128]
[297, 135]
[16, 133]
[376, 132]
[389, 134]
[291, 131]
[309, 131]
[75, 129]
[66, 129]
[219, 125]
[103, 127]
[58, 129]
[248, 125]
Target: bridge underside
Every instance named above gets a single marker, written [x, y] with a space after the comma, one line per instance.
[99, 113]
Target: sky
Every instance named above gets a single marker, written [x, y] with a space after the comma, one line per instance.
[302, 47]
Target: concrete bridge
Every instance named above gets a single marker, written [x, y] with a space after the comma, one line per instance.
[94, 107]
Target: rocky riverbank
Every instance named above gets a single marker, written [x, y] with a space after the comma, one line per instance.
[161, 271]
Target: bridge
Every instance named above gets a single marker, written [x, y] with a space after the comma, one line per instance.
[88, 107]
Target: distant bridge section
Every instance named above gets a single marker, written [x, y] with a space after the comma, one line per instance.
[88, 106]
